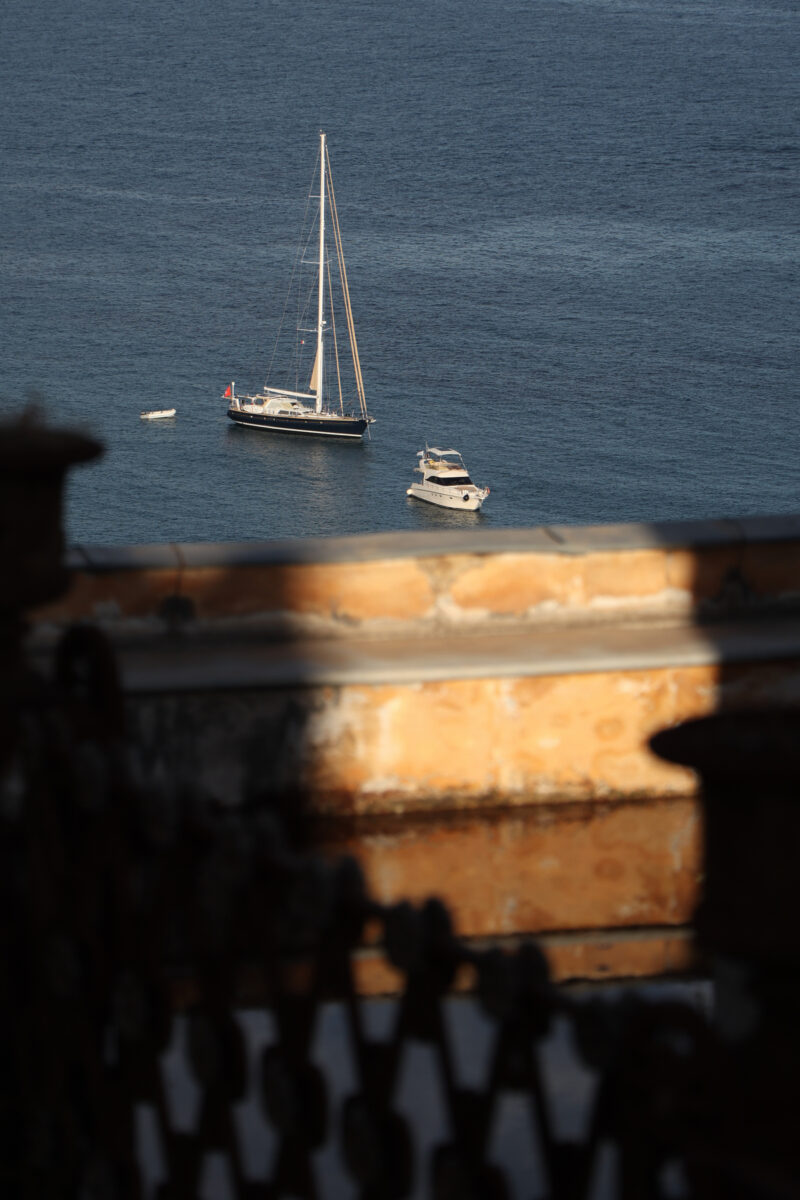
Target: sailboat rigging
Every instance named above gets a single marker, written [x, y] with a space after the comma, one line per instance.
[319, 409]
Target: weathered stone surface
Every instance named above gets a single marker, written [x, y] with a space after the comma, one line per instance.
[519, 740]
[396, 590]
[530, 871]
[523, 576]
[113, 596]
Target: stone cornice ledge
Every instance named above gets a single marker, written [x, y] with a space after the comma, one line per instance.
[561, 539]
[442, 585]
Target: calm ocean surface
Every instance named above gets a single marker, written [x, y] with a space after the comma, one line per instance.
[571, 228]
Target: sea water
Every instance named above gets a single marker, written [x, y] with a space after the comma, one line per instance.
[571, 230]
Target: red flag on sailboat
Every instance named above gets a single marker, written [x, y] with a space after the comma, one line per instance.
[227, 392]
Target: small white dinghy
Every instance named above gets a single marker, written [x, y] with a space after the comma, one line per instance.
[445, 481]
[157, 414]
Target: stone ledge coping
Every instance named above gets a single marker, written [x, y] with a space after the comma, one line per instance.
[561, 539]
[435, 582]
[167, 663]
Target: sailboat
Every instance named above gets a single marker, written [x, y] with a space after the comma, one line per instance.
[317, 409]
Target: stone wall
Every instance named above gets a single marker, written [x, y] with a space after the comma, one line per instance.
[467, 712]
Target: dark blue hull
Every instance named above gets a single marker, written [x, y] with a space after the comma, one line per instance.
[345, 427]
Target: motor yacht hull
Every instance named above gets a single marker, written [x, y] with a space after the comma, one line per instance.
[466, 500]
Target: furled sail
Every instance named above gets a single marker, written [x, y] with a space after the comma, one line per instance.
[314, 384]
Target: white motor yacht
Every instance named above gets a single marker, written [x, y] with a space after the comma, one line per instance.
[445, 481]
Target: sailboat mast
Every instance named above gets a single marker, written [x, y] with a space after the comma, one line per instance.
[321, 303]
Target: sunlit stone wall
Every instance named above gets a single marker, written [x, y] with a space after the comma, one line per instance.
[469, 713]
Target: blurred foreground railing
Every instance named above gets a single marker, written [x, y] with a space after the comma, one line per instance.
[132, 903]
